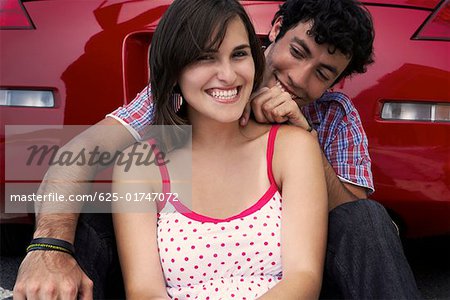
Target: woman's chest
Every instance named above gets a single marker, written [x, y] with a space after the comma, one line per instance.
[246, 245]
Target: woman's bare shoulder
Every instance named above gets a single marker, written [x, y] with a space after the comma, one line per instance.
[294, 148]
[292, 136]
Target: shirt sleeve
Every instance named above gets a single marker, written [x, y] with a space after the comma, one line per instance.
[137, 114]
[342, 138]
[347, 151]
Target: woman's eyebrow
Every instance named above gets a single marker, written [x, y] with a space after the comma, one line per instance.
[243, 46]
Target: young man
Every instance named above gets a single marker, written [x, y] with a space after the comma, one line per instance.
[314, 44]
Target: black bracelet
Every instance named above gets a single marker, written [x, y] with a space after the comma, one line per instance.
[51, 244]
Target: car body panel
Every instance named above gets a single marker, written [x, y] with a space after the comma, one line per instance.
[426, 4]
[94, 56]
[411, 159]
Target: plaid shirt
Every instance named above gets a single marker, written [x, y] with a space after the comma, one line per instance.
[333, 116]
[342, 137]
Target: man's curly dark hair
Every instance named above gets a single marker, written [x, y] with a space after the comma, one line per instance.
[345, 25]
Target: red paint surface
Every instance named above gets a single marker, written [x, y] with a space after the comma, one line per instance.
[93, 55]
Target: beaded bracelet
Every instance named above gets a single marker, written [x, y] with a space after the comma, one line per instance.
[51, 244]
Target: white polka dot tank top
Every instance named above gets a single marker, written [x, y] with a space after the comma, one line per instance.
[234, 258]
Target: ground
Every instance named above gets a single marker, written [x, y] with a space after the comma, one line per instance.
[429, 259]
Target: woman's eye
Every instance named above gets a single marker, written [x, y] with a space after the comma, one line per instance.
[240, 53]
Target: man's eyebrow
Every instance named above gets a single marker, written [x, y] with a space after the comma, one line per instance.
[330, 68]
[303, 44]
[305, 47]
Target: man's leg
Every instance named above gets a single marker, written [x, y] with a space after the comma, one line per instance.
[365, 259]
[96, 253]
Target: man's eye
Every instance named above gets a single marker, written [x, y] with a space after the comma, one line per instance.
[322, 76]
[296, 52]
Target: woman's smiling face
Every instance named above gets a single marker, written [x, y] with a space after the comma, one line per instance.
[219, 84]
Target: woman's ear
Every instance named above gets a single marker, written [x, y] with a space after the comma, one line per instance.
[275, 30]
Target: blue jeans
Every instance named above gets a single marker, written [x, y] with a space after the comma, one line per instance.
[96, 253]
[364, 257]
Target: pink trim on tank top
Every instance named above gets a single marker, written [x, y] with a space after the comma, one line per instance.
[182, 209]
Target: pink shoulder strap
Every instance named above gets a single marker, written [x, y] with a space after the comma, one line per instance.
[270, 150]
[164, 175]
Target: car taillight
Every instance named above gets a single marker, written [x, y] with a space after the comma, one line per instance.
[414, 111]
[13, 15]
[29, 98]
[437, 25]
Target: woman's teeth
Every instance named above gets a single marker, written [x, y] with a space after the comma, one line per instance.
[229, 94]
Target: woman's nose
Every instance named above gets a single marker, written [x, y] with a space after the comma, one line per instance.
[226, 72]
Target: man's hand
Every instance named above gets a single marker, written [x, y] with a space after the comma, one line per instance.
[51, 275]
[271, 105]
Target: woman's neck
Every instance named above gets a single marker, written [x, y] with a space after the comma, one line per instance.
[211, 134]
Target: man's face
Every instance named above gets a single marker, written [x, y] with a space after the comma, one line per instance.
[300, 66]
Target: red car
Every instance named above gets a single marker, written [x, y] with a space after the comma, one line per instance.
[71, 62]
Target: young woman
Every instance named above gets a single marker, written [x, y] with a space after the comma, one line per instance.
[256, 226]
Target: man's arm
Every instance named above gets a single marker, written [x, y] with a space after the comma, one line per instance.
[44, 274]
[339, 192]
[108, 135]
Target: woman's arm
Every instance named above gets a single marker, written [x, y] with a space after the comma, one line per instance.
[136, 235]
[298, 171]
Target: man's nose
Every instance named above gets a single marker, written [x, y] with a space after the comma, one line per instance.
[226, 72]
[300, 76]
